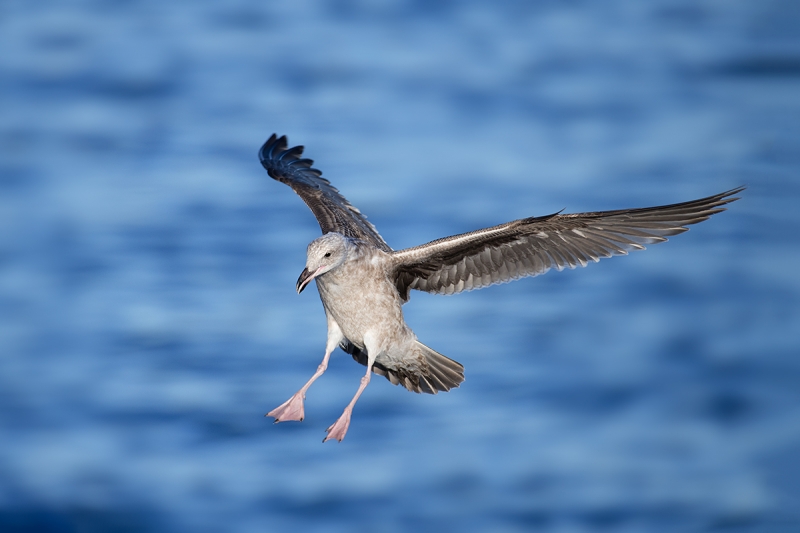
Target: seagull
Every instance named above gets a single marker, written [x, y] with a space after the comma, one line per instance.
[363, 283]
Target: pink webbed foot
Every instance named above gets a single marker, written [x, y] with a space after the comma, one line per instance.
[291, 409]
[339, 428]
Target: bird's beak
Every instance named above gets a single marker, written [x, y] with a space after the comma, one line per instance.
[305, 277]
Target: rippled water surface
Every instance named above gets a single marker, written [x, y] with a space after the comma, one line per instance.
[148, 317]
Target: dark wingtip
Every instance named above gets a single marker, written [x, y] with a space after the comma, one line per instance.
[278, 159]
[731, 192]
[265, 153]
[724, 198]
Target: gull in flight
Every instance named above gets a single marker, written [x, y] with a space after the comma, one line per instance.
[363, 283]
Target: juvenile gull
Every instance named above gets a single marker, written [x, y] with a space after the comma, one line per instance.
[363, 283]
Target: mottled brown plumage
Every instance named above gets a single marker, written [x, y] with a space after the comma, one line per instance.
[363, 283]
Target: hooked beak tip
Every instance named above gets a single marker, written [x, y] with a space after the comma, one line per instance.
[303, 280]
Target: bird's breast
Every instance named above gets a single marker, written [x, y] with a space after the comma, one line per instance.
[361, 298]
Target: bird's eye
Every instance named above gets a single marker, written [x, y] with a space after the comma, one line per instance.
[328, 254]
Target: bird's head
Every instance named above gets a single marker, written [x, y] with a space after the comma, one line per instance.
[323, 254]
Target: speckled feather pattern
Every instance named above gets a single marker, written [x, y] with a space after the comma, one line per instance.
[532, 246]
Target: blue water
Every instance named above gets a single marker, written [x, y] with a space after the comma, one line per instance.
[147, 265]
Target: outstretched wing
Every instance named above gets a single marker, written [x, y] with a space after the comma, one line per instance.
[532, 246]
[333, 211]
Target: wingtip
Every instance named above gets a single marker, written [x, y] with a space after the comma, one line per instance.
[727, 197]
[732, 192]
[265, 152]
[274, 147]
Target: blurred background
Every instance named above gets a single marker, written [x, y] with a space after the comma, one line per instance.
[148, 317]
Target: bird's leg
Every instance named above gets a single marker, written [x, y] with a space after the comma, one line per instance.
[292, 409]
[339, 428]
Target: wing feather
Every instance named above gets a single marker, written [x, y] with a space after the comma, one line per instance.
[532, 246]
[333, 211]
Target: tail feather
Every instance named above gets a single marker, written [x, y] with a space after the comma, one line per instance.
[443, 373]
[439, 374]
